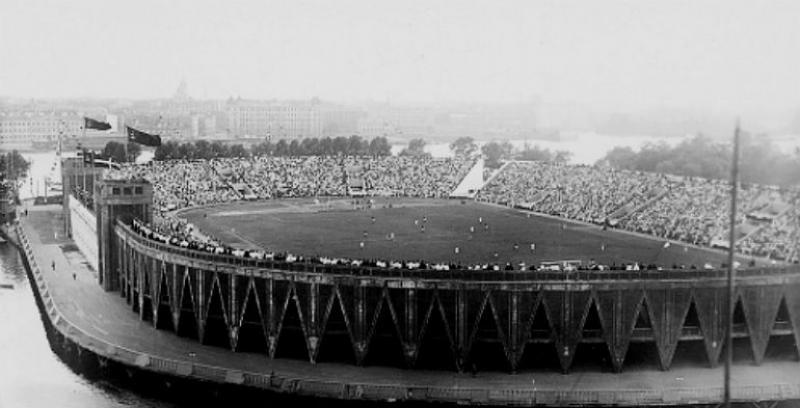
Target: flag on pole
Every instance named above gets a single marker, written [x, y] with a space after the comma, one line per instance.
[137, 136]
[89, 123]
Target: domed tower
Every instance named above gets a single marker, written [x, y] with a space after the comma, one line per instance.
[182, 93]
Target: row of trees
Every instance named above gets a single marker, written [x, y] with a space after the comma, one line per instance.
[347, 146]
[202, 149]
[494, 152]
[760, 161]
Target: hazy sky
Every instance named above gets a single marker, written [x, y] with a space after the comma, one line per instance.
[726, 55]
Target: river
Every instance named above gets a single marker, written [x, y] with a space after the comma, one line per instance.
[31, 375]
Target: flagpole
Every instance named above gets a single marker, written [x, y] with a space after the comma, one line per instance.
[125, 145]
[85, 151]
[731, 239]
[60, 136]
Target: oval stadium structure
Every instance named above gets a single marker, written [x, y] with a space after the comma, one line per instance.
[373, 263]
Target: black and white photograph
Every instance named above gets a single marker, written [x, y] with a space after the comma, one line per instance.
[399, 203]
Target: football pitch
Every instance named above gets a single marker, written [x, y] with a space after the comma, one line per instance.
[432, 230]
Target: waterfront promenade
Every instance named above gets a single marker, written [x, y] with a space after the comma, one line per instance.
[103, 323]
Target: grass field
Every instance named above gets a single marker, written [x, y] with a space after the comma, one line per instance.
[337, 229]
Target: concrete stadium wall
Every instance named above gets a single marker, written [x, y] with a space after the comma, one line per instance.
[489, 320]
[83, 225]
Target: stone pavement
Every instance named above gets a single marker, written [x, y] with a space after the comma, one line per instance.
[102, 322]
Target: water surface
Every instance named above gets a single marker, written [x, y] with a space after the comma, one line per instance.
[31, 375]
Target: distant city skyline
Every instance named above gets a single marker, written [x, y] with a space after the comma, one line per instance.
[721, 57]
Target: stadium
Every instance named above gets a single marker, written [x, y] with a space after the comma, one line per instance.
[438, 264]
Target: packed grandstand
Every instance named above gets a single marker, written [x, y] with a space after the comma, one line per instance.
[691, 210]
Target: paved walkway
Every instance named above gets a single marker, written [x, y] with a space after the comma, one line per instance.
[103, 322]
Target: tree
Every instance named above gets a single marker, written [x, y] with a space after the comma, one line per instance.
[464, 147]
[294, 148]
[356, 146]
[238, 150]
[202, 150]
[379, 146]
[762, 162]
[310, 146]
[133, 150]
[167, 151]
[281, 148]
[340, 145]
[698, 157]
[494, 152]
[264, 148]
[620, 157]
[185, 151]
[537, 153]
[121, 153]
[114, 151]
[13, 166]
[416, 147]
[219, 150]
[326, 147]
[562, 156]
[650, 156]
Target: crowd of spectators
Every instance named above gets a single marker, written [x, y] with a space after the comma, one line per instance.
[692, 210]
[778, 238]
[408, 176]
[180, 238]
[181, 183]
[584, 193]
[275, 177]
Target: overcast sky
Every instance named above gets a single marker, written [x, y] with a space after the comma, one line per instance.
[726, 55]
